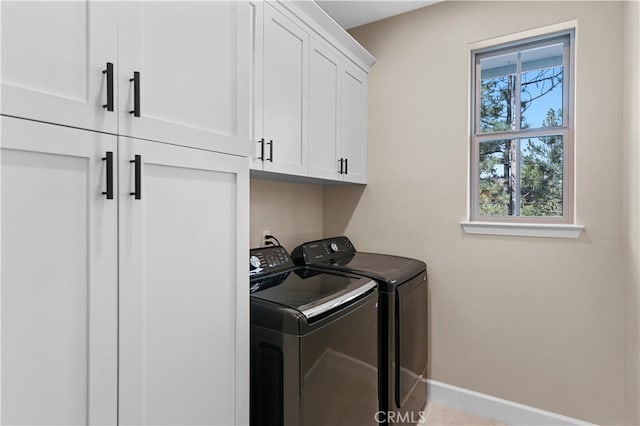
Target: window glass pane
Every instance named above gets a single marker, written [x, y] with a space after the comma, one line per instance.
[494, 178]
[521, 177]
[541, 87]
[497, 84]
[541, 161]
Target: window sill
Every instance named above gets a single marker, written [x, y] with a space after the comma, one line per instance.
[523, 229]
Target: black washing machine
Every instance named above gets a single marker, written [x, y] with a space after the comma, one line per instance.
[314, 358]
[402, 323]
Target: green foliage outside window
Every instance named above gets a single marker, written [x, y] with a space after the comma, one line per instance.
[520, 176]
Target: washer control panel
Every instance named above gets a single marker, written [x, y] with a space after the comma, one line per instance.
[323, 250]
[267, 260]
[340, 244]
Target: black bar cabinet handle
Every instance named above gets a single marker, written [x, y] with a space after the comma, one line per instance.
[270, 151]
[261, 149]
[341, 163]
[109, 73]
[137, 176]
[346, 166]
[109, 159]
[136, 94]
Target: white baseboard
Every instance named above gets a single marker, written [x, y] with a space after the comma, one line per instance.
[501, 410]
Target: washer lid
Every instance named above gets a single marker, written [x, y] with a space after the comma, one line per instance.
[312, 293]
[380, 267]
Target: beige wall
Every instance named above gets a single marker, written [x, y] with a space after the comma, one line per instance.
[533, 320]
[631, 205]
[291, 211]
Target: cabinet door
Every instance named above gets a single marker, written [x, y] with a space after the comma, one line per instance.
[193, 65]
[353, 134]
[53, 55]
[59, 282]
[285, 94]
[184, 318]
[324, 104]
[256, 19]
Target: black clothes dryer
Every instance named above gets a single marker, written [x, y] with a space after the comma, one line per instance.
[402, 322]
[314, 359]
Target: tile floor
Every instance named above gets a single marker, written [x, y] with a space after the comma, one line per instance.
[440, 415]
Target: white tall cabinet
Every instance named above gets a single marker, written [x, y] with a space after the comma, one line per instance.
[128, 309]
[157, 271]
[59, 276]
[183, 298]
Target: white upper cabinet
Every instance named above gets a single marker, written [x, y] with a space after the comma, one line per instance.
[53, 58]
[309, 95]
[337, 117]
[324, 113]
[284, 95]
[184, 73]
[178, 73]
[256, 116]
[353, 129]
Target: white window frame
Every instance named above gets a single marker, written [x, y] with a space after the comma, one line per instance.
[503, 45]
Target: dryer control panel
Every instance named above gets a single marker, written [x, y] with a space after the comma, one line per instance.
[326, 250]
[267, 260]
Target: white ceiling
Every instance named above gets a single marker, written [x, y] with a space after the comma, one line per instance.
[352, 13]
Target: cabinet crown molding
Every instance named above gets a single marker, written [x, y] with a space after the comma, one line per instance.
[318, 22]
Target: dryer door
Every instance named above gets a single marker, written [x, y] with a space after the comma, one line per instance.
[411, 343]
